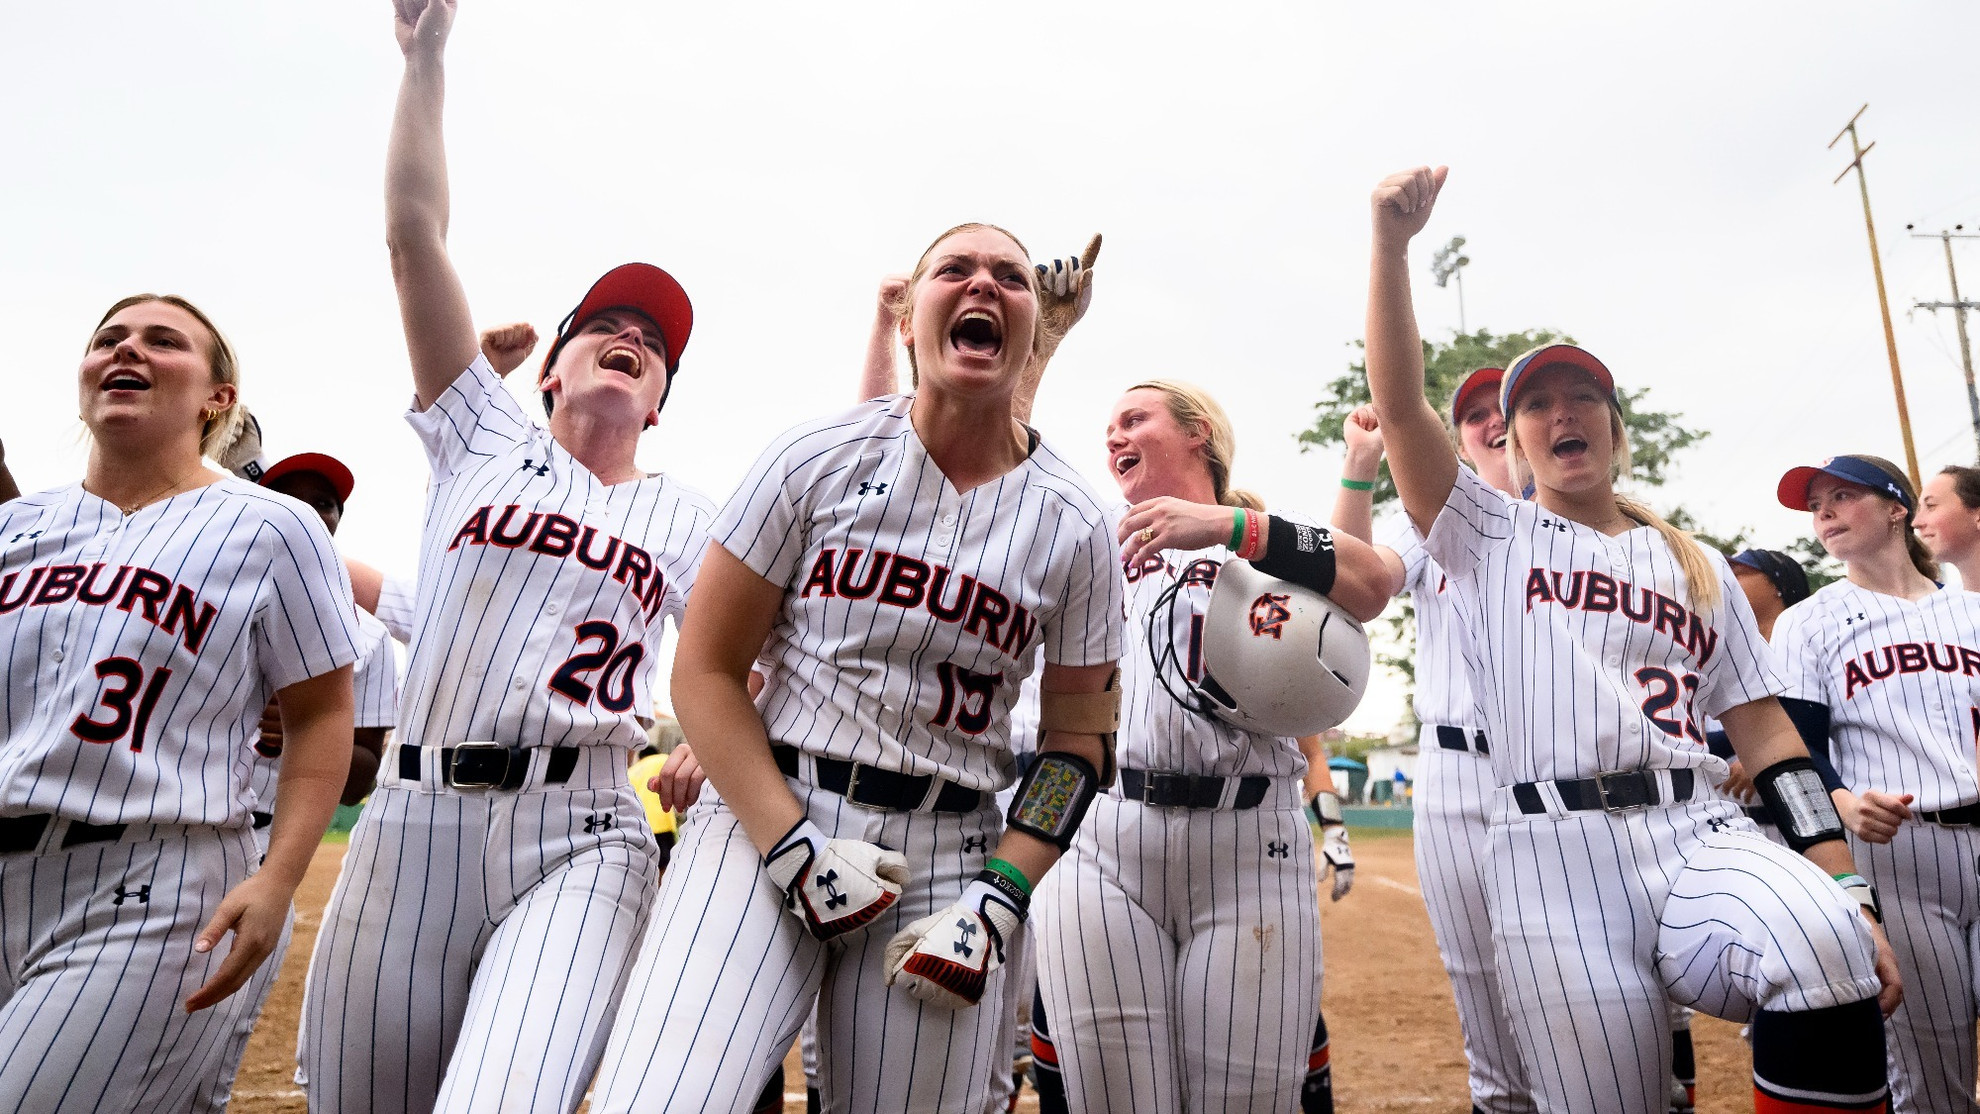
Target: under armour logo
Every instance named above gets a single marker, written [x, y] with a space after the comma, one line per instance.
[542, 469]
[142, 894]
[1553, 524]
[975, 843]
[868, 487]
[969, 931]
[599, 822]
[1277, 850]
[27, 534]
[828, 882]
[1856, 618]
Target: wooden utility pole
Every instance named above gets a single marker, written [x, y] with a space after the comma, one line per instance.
[1959, 309]
[1883, 300]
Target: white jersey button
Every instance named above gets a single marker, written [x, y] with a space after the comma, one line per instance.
[550, 609]
[949, 519]
[519, 684]
[57, 654]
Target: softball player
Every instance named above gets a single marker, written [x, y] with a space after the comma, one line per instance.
[1883, 668]
[1772, 582]
[152, 610]
[1594, 633]
[1454, 780]
[1197, 868]
[902, 560]
[321, 483]
[497, 883]
[1948, 520]
[1065, 292]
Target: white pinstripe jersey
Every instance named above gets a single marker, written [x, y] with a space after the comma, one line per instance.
[1157, 733]
[1901, 681]
[911, 613]
[1584, 653]
[1443, 689]
[396, 607]
[542, 591]
[142, 648]
[375, 703]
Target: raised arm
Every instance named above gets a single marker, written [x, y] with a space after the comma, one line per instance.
[1354, 504]
[1421, 459]
[8, 488]
[878, 377]
[440, 336]
[1065, 293]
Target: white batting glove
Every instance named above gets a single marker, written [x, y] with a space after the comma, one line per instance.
[834, 886]
[945, 959]
[1334, 848]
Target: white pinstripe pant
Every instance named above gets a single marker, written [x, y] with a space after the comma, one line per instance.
[1179, 957]
[1453, 797]
[726, 977]
[95, 960]
[475, 946]
[1600, 920]
[1926, 882]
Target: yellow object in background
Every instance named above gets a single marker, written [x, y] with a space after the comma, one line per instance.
[643, 771]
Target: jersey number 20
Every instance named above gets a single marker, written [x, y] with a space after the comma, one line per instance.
[615, 685]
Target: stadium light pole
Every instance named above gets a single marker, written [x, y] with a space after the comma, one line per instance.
[1449, 263]
[1883, 300]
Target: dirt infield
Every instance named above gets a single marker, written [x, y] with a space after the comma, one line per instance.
[1388, 1005]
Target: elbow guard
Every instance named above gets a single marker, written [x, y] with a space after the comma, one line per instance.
[1053, 797]
[1794, 793]
[1301, 554]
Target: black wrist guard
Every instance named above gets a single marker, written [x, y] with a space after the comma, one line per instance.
[1301, 554]
[1794, 793]
[1053, 797]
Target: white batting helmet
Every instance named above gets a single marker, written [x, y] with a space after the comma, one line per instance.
[1278, 658]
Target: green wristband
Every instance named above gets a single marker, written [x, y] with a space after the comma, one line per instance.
[1237, 529]
[1013, 873]
[1357, 485]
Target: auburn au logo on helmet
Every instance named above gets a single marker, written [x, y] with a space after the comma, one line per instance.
[1269, 614]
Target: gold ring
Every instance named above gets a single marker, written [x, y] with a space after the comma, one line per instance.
[1148, 534]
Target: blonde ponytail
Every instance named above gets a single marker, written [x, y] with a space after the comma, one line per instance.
[1701, 579]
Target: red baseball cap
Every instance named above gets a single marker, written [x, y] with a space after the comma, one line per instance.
[323, 464]
[636, 286]
[1475, 384]
[1551, 355]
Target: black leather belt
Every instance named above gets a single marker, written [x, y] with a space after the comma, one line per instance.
[1454, 738]
[1166, 790]
[1624, 792]
[23, 833]
[872, 787]
[1965, 816]
[262, 820]
[488, 765]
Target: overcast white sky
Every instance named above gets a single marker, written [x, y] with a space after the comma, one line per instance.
[1650, 178]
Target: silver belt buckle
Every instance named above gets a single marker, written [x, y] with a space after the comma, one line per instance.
[852, 785]
[1602, 791]
[454, 765]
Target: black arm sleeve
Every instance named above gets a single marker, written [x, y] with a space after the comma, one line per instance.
[1812, 721]
[1299, 553]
